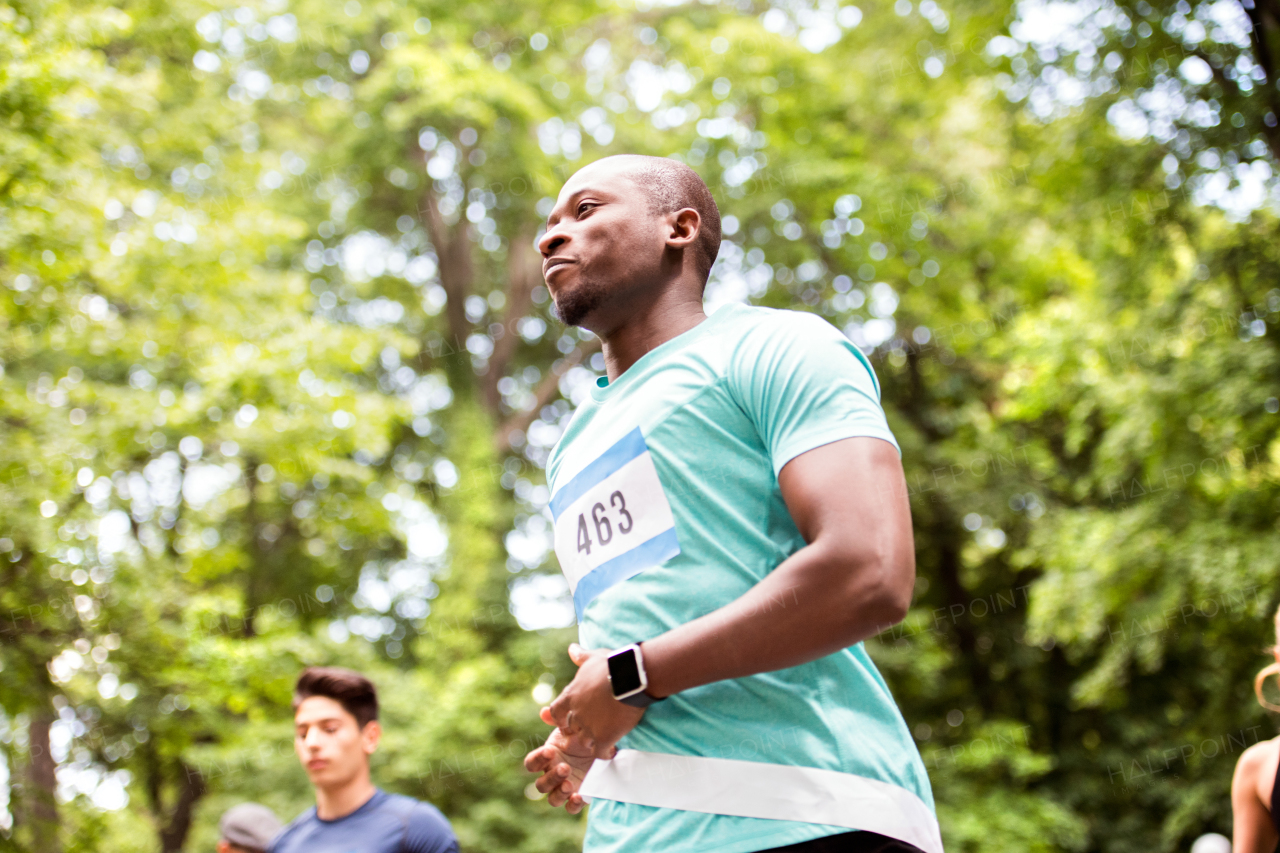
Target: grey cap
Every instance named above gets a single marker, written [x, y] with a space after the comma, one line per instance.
[250, 825]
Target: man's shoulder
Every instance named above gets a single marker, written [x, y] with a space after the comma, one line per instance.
[752, 327]
[769, 338]
[757, 317]
[402, 803]
[280, 843]
[1259, 757]
[427, 830]
[758, 331]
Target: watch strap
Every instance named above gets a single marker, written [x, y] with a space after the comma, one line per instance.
[640, 700]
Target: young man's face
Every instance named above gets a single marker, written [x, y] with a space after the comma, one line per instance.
[330, 744]
[602, 243]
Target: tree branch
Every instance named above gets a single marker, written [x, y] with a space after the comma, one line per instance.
[1264, 15]
[524, 272]
[453, 252]
[191, 787]
[1258, 13]
[546, 391]
[1233, 97]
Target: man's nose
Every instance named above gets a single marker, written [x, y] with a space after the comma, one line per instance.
[549, 242]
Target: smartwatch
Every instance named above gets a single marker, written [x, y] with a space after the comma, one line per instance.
[628, 678]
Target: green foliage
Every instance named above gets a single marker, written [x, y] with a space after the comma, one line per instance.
[278, 378]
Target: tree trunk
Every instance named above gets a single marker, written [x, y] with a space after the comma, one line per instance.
[253, 571]
[42, 807]
[191, 788]
[1264, 15]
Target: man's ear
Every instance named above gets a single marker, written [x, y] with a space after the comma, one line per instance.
[370, 735]
[685, 224]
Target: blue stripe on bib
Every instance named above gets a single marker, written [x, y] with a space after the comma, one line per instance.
[657, 550]
[629, 447]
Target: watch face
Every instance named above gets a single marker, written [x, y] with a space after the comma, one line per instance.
[624, 673]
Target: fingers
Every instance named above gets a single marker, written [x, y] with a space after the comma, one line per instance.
[558, 781]
[555, 779]
[575, 731]
[539, 760]
[578, 654]
[559, 789]
[560, 794]
[564, 717]
[558, 711]
[572, 803]
[545, 716]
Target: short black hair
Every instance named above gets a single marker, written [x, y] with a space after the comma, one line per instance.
[355, 693]
[670, 186]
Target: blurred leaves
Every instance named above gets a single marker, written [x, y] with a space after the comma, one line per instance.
[278, 378]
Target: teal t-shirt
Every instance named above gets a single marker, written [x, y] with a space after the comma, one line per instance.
[667, 507]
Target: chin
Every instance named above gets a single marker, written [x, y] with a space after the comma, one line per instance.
[324, 778]
[567, 319]
[575, 305]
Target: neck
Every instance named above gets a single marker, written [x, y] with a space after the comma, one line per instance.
[341, 800]
[673, 313]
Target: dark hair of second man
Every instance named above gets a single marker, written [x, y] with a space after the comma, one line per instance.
[355, 693]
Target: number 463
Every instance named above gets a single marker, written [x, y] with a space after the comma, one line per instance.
[604, 527]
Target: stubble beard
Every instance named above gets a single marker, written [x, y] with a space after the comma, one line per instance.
[574, 304]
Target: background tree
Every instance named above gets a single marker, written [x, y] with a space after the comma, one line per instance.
[280, 377]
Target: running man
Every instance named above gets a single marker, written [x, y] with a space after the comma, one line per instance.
[731, 515]
[336, 729]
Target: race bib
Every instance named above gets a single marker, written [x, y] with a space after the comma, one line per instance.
[612, 521]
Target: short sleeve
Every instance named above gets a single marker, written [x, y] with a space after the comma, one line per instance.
[428, 831]
[804, 384]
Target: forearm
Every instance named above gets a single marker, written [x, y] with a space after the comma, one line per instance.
[820, 600]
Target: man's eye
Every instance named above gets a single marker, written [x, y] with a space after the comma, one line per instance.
[585, 207]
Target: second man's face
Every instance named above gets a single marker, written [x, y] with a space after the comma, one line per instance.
[330, 743]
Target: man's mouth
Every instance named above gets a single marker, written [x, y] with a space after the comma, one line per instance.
[317, 764]
[553, 265]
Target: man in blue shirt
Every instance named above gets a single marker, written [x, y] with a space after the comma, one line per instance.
[731, 516]
[336, 729]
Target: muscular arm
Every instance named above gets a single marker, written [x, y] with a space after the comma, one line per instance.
[852, 580]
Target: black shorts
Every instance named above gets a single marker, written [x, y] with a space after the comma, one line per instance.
[849, 842]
